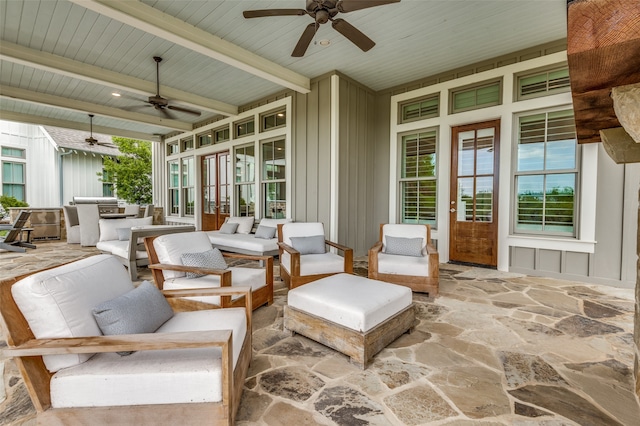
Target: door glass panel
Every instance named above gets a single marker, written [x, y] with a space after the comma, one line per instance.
[465, 199]
[466, 153]
[485, 149]
[484, 199]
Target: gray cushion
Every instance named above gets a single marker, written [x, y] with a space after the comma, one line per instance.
[141, 310]
[265, 232]
[228, 228]
[309, 245]
[404, 246]
[210, 259]
[123, 233]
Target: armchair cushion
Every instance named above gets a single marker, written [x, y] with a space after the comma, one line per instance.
[170, 247]
[58, 302]
[152, 377]
[265, 232]
[229, 228]
[123, 233]
[317, 264]
[141, 310]
[245, 223]
[211, 259]
[309, 245]
[404, 246]
[403, 265]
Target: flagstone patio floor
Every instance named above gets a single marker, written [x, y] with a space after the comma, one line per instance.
[494, 348]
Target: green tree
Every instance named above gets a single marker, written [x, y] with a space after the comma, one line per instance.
[131, 172]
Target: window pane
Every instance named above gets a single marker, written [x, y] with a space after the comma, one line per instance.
[246, 199]
[421, 109]
[276, 201]
[559, 202]
[245, 164]
[273, 160]
[189, 201]
[530, 202]
[188, 177]
[419, 201]
[419, 155]
[174, 174]
[488, 95]
[174, 199]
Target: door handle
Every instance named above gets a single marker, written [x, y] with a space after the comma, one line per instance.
[452, 210]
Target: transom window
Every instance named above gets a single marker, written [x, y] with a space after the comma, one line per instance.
[204, 140]
[244, 128]
[272, 120]
[543, 83]
[419, 109]
[172, 148]
[8, 151]
[187, 144]
[418, 178]
[546, 175]
[475, 97]
[221, 135]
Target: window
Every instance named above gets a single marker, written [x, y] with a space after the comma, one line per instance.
[186, 144]
[221, 135]
[419, 109]
[13, 180]
[174, 187]
[244, 128]
[245, 164]
[418, 178]
[204, 140]
[476, 97]
[13, 152]
[546, 174]
[107, 183]
[274, 179]
[542, 83]
[273, 120]
[172, 148]
[188, 187]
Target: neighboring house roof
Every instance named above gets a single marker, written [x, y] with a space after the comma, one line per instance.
[75, 140]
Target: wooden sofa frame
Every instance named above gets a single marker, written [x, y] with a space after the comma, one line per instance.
[261, 296]
[293, 278]
[429, 284]
[28, 351]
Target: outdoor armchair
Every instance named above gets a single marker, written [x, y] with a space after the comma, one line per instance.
[12, 241]
[304, 257]
[404, 255]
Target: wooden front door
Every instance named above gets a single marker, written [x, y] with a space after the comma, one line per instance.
[473, 210]
[215, 190]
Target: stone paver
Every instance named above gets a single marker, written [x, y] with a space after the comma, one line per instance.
[494, 349]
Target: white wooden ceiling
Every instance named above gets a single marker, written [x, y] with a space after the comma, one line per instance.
[60, 60]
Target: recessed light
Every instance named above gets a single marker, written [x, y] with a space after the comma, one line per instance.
[116, 94]
[324, 42]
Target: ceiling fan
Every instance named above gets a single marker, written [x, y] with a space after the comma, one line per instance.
[91, 140]
[162, 104]
[323, 11]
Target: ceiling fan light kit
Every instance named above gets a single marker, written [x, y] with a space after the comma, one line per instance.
[323, 11]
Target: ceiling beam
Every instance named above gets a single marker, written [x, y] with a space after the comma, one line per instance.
[160, 24]
[67, 124]
[59, 65]
[40, 98]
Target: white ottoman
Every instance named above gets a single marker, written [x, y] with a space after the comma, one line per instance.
[353, 315]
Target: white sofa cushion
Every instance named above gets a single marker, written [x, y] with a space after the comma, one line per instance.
[250, 277]
[154, 377]
[170, 247]
[246, 242]
[120, 249]
[403, 265]
[312, 264]
[245, 223]
[338, 298]
[58, 302]
[273, 223]
[109, 227]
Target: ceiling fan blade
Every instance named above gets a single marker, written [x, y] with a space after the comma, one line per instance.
[166, 113]
[345, 6]
[273, 12]
[353, 34]
[134, 107]
[305, 40]
[188, 111]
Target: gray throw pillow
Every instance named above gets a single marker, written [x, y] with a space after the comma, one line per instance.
[309, 245]
[265, 232]
[123, 233]
[228, 228]
[404, 246]
[211, 259]
[141, 310]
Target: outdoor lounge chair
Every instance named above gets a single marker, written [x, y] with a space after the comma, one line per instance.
[71, 330]
[304, 257]
[170, 256]
[13, 240]
[404, 255]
